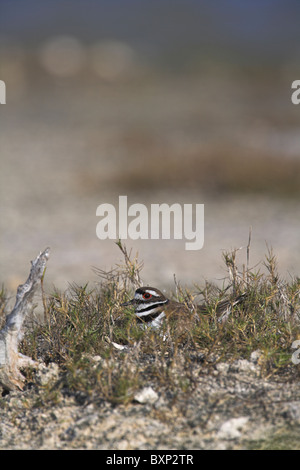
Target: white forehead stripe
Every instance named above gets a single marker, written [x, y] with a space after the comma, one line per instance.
[147, 291]
[152, 292]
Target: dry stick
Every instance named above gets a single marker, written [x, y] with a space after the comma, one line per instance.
[133, 267]
[248, 253]
[10, 336]
[46, 313]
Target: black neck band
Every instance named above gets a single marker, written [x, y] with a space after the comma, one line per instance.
[148, 318]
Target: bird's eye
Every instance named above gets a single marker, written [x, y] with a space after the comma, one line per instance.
[147, 295]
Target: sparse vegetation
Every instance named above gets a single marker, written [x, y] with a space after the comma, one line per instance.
[102, 358]
[84, 325]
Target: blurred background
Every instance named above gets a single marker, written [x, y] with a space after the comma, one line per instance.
[160, 100]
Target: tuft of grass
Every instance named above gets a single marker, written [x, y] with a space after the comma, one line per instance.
[83, 324]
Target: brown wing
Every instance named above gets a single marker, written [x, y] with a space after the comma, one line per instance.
[223, 308]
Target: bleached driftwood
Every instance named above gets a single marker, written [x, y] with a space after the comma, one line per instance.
[11, 361]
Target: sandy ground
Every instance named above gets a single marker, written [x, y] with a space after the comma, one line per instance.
[231, 407]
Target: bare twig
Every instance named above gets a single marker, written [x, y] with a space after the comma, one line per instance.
[132, 266]
[10, 336]
[248, 250]
[46, 313]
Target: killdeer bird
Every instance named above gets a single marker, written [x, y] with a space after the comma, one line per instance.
[152, 307]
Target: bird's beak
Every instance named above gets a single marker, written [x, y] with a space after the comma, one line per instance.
[130, 302]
